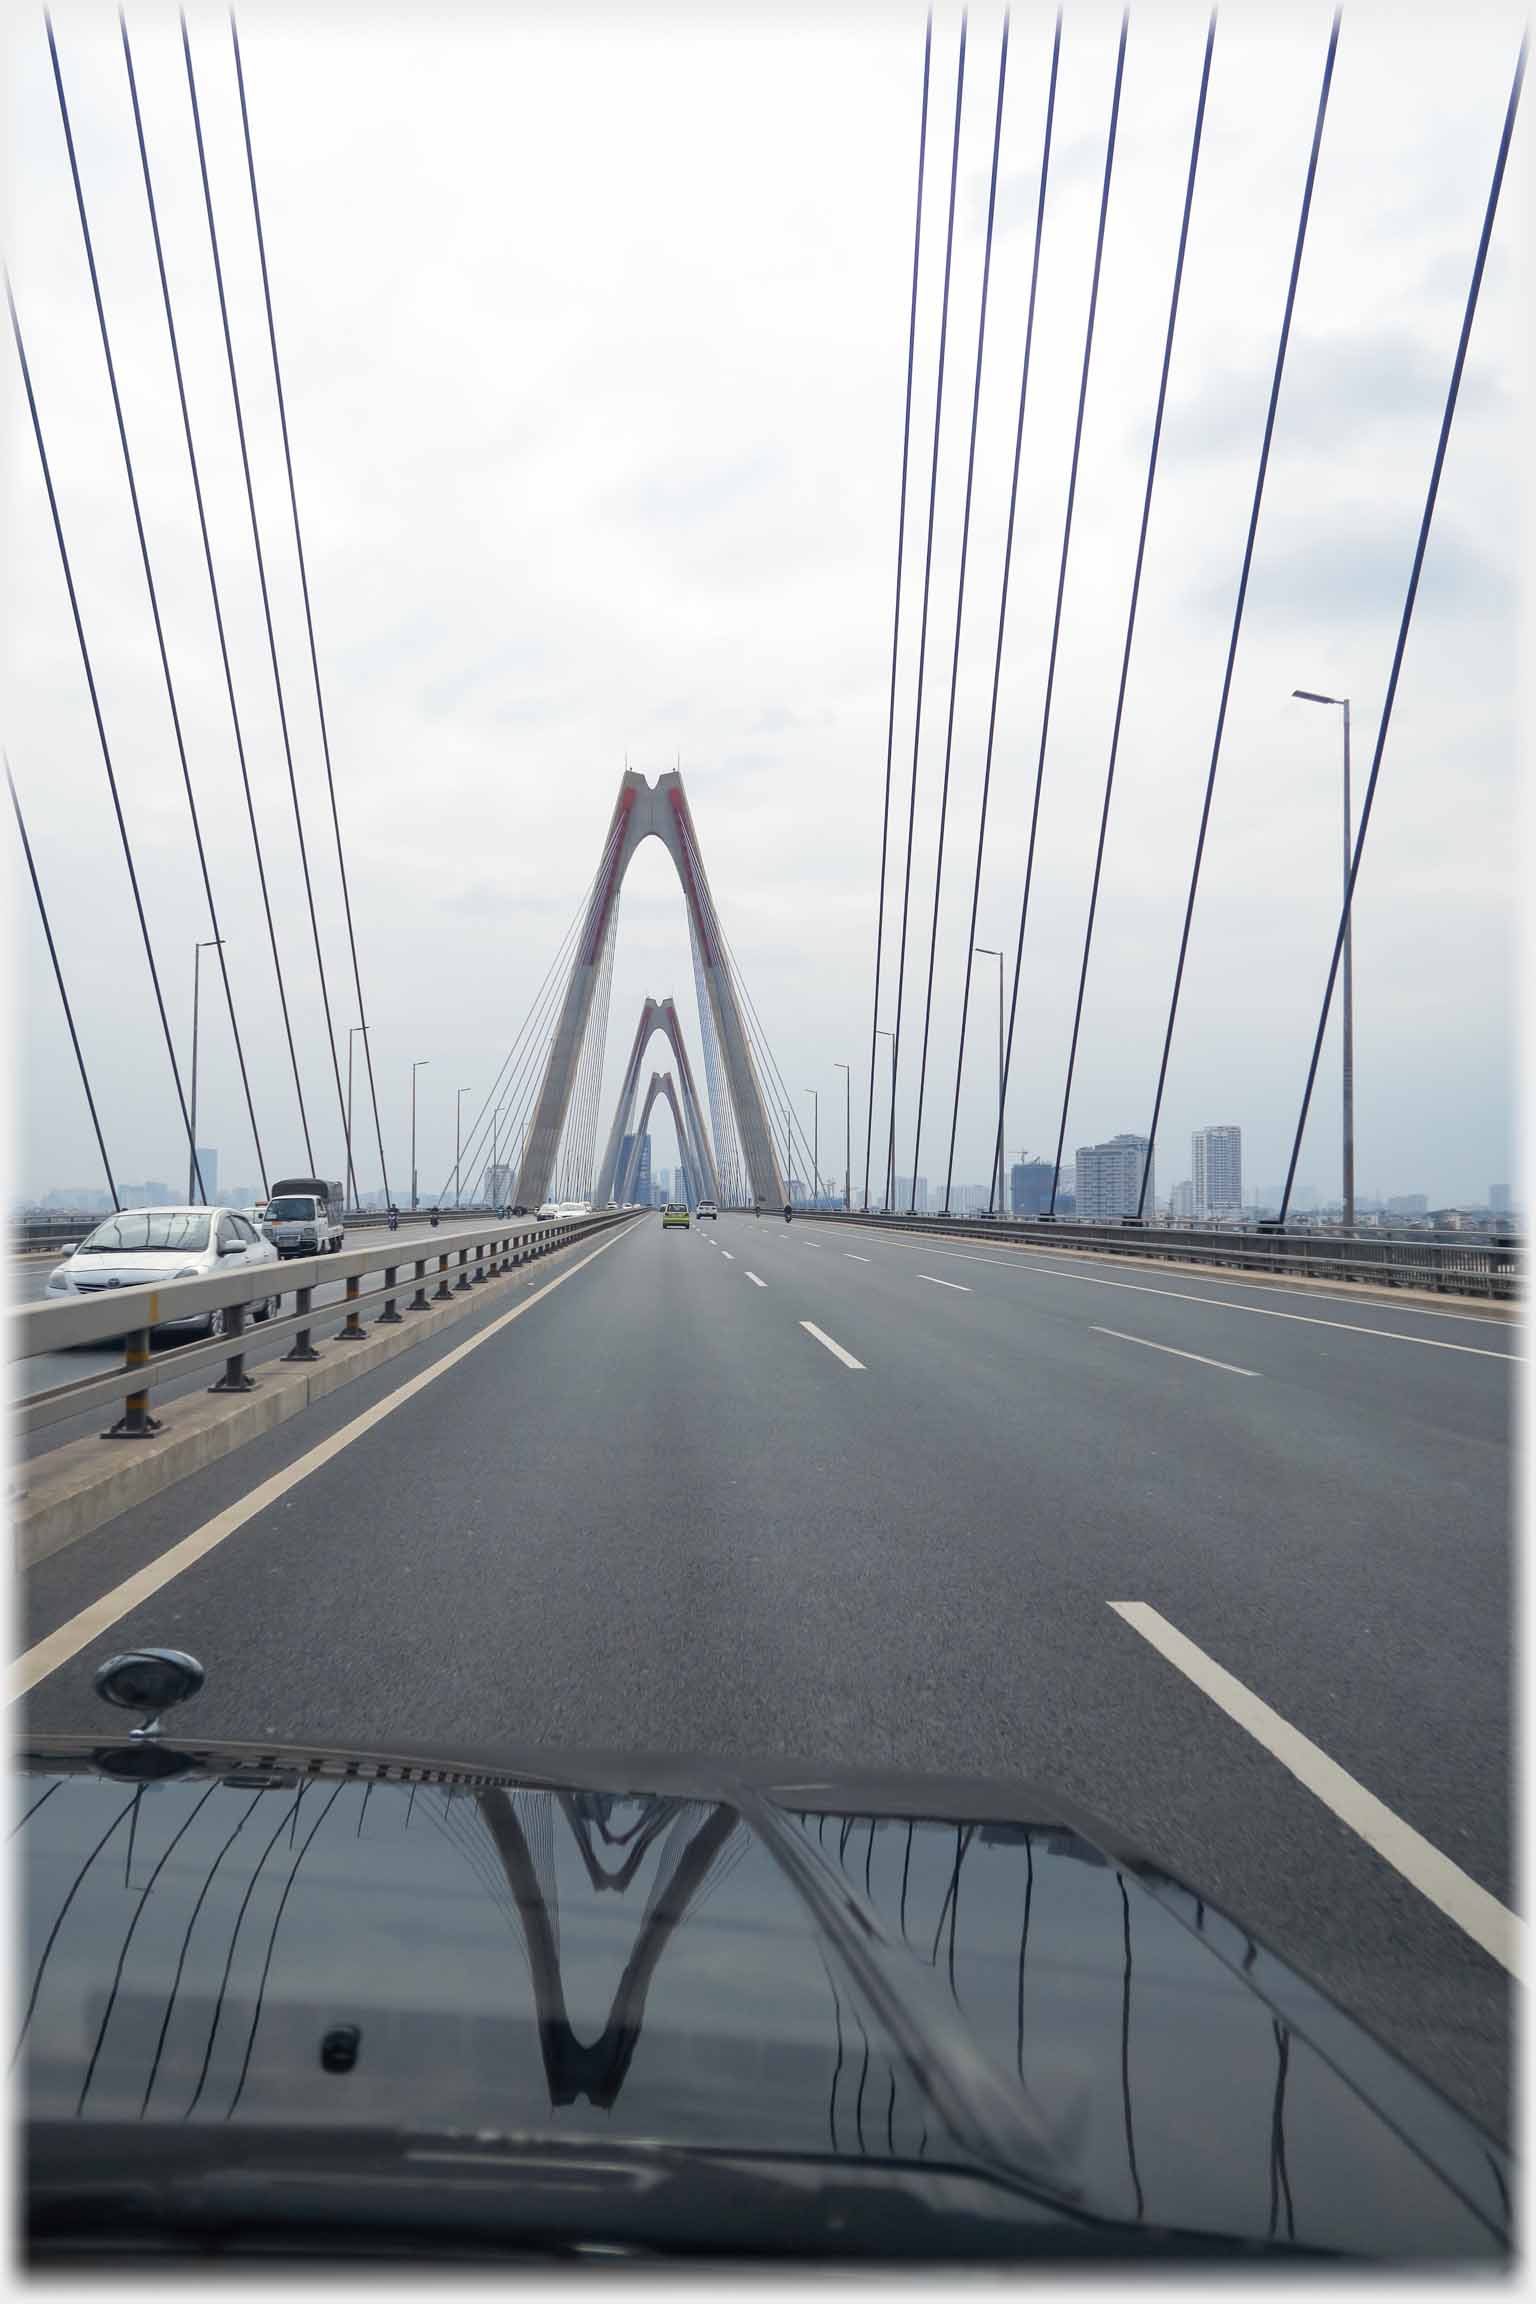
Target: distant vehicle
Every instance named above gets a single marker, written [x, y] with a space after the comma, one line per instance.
[140, 1245]
[546, 1209]
[573, 1208]
[707, 1208]
[674, 1213]
[304, 1216]
[256, 1214]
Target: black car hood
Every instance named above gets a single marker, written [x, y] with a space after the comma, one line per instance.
[871, 1972]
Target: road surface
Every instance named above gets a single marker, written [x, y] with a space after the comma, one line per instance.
[824, 1493]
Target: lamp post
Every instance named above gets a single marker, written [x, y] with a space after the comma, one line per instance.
[997, 1178]
[847, 1135]
[415, 1068]
[1311, 696]
[881, 1033]
[815, 1145]
[352, 1033]
[458, 1108]
[209, 944]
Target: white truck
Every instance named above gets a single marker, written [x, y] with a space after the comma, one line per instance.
[304, 1216]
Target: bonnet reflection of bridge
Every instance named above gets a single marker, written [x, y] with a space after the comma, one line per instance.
[743, 1146]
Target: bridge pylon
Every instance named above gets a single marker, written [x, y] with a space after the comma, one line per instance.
[646, 811]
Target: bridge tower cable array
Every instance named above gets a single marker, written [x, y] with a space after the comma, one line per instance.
[218, 609]
[965, 545]
[58, 977]
[1242, 594]
[537, 1022]
[1002, 606]
[1061, 587]
[217, 936]
[1130, 621]
[1448, 417]
[901, 537]
[309, 621]
[101, 733]
[266, 605]
[922, 636]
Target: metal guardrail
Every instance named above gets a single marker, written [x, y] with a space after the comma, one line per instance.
[50, 1239]
[450, 1264]
[1461, 1264]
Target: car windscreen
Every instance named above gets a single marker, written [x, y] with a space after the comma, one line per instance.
[147, 1232]
[290, 1211]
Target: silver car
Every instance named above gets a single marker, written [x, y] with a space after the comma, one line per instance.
[142, 1245]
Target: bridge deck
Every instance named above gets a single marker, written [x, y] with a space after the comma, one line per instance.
[658, 1511]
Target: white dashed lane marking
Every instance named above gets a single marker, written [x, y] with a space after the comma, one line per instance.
[831, 1344]
[752, 1276]
[934, 1282]
[1174, 1351]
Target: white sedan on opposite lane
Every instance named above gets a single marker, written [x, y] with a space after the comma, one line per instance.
[141, 1245]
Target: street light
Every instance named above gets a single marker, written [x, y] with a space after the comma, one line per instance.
[881, 1033]
[415, 1068]
[458, 1107]
[815, 1146]
[209, 944]
[847, 1136]
[991, 954]
[1311, 696]
[352, 1033]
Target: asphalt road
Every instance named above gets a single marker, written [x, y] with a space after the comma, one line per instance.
[657, 1511]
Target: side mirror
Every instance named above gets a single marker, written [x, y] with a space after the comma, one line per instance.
[149, 1680]
[232, 1248]
[68, 1247]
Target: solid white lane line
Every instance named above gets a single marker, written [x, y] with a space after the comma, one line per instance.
[1226, 1304]
[752, 1276]
[1479, 1915]
[110, 1609]
[934, 1282]
[1177, 1354]
[848, 1252]
[725, 1252]
[832, 1346]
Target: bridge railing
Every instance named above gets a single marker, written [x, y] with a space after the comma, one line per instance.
[411, 1275]
[1460, 1264]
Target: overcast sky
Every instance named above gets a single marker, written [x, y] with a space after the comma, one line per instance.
[594, 329]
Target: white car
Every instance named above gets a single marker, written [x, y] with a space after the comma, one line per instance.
[142, 1245]
[707, 1208]
[547, 1208]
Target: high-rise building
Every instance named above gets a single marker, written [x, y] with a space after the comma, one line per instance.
[1182, 1205]
[1029, 1187]
[1498, 1199]
[1109, 1178]
[208, 1169]
[1408, 1204]
[1216, 1160]
[905, 1198]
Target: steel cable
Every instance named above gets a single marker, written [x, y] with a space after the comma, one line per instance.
[1061, 586]
[309, 622]
[218, 609]
[965, 545]
[101, 732]
[1002, 607]
[266, 606]
[154, 597]
[922, 642]
[1130, 622]
[58, 976]
[1242, 594]
[901, 538]
[1408, 605]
